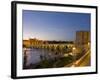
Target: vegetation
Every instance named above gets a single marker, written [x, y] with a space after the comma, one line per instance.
[60, 42]
[59, 62]
[64, 61]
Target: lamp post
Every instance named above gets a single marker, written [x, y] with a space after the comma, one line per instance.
[74, 55]
[88, 44]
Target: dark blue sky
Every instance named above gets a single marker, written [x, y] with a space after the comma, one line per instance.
[54, 25]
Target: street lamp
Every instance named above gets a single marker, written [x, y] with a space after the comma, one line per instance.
[74, 48]
[74, 55]
[88, 43]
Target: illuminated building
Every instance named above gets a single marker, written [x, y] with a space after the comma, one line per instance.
[26, 43]
[82, 39]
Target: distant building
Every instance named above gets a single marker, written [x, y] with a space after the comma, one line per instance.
[33, 42]
[26, 43]
[82, 39]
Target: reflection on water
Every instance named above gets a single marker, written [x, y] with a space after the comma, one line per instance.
[35, 55]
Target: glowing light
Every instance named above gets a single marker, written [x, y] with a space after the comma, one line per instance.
[88, 43]
[74, 48]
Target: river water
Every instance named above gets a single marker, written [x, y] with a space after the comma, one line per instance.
[33, 55]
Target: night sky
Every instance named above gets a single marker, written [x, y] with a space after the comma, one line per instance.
[49, 25]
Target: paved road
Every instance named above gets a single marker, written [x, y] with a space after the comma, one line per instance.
[83, 61]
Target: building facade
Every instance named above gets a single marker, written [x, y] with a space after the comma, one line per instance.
[26, 43]
[82, 39]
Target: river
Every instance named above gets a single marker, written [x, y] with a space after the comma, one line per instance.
[34, 55]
